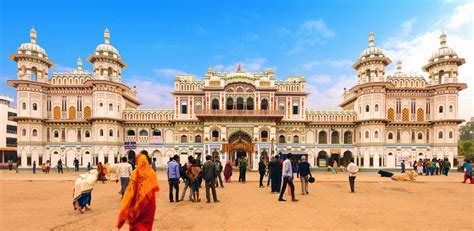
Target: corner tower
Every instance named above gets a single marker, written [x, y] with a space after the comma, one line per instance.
[371, 64]
[107, 61]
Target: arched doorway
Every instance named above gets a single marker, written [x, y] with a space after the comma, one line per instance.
[346, 158]
[239, 146]
[131, 155]
[322, 160]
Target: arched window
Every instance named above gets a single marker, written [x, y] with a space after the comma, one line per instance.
[390, 136]
[101, 104]
[249, 103]
[366, 134]
[229, 104]
[23, 106]
[296, 139]
[130, 132]
[101, 132]
[156, 132]
[111, 133]
[264, 135]
[197, 139]
[451, 108]
[376, 134]
[348, 137]
[323, 137]
[367, 108]
[450, 135]
[264, 104]
[87, 134]
[23, 132]
[143, 132]
[111, 107]
[281, 139]
[35, 107]
[440, 135]
[215, 104]
[335, 137]
[376, 108]
[440, 109]
[184, 107]
[184, 139]
[215, 135]
[420, 135]
[441, 77]
[240, 103]
[56, 134]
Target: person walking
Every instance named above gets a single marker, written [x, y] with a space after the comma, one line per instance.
[467, 171]
[185, 177]
[82, 193]
[88, 166]
[173, 178]
[60, 166]
[124, 171]
[269, 169]
[139, 201]
[102, 175]
[193, 172]
[10, 165]
[219, 169]
[209, 173]
[153, 164]
[403, 166]
[17, 169]
[334, 167]
[48, 166]
[34, 167]
[243, 169]
[228, 171]
[304, 171]
[275, 174]
[76, 165]
[261, 170]
[352, 169]
[446, 167]
[287, 179]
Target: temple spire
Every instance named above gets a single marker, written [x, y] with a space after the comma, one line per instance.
[33, 35]
[106, 36]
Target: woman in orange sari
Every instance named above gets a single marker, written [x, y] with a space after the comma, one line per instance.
[138, 203]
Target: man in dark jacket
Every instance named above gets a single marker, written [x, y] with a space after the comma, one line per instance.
[219, 169]
[261, 170]
[275, 174]
[209, 174]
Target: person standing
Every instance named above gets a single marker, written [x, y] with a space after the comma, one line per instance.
[352, 169]
[228, 171]
[275, 174]
[304, 171]
[219, 169]
[60, 166]
[76, 165]
[433, 167]
[403, 166]
[101, 173]
[10, 165]
[468, 171]
[153, 164]
[34, 167]
[446, 166]
[124, 171]
[185, 177]
[243, 169]
[287, 179]
[428, 167]
[209, 173]
[173, 178]
[261, 170]
[139, 201]
[334, 167]
[419, 167]
[198, 162]
[269, 169]
[17, 169]
[88, 166]
[193, 172]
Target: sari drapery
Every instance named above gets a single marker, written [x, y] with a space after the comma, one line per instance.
[83, 188]
[138, 203]
[228, 170]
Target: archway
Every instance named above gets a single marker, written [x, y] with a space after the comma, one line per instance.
[346, 158]
[239, 146]
[322, 160]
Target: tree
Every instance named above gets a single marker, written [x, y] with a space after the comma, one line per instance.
[467, 131]
[466, 140]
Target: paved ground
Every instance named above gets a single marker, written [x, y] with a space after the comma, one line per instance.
[44, 202]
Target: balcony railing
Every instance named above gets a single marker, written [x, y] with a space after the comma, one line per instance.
[247, 113]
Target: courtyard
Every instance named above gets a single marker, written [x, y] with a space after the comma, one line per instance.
[44, 202]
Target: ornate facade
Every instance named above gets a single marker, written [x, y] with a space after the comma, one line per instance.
[384, 119]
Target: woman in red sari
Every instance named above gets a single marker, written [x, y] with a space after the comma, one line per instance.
[138, 203]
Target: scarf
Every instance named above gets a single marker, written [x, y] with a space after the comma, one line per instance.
[141, 188]
[84, 183]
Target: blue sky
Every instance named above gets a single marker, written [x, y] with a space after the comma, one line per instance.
[317, 39]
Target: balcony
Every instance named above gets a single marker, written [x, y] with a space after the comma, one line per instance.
[270, 114]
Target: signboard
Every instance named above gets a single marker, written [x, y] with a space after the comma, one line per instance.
[130, 145]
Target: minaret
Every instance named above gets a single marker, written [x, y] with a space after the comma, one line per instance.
[371, 63]
[107, 61]
[398, 70]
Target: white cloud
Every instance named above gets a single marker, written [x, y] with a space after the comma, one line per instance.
[327, 62]
[249, 65]
[152, 94]
[169, 72]
[309, 33]
[407, 26]
[462, 15]
[61, 68]
[329, 96]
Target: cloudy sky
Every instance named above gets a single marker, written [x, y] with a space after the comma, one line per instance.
[320, 40]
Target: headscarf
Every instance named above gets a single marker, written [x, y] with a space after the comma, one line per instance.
[141, 188]
[84, 183]
[228, 169]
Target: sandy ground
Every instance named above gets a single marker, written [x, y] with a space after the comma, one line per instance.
[44, 202]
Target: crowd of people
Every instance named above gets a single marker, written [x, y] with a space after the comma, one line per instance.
[429, 167]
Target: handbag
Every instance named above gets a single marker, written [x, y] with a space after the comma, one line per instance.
[311, 180]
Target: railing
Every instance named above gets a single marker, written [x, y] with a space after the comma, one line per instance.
[239, 113]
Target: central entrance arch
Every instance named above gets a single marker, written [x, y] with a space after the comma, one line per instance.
[240, 146]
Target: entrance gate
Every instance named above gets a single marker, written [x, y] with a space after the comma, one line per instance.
[240, 145]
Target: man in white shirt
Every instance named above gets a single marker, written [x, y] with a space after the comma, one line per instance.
[287, 179]
[352, 169]
[124, 170]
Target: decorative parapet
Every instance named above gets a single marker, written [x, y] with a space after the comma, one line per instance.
[148, 115]
[330, 116]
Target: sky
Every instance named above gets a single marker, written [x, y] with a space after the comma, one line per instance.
[317, 39]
